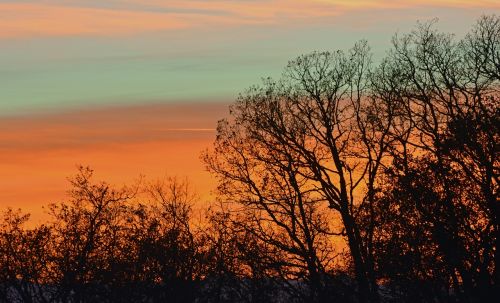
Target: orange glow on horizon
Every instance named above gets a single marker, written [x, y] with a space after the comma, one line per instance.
[38, 154]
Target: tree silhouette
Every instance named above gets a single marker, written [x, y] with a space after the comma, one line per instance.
[448, 93]
[342, 180]
[25, 259]
[306, 139]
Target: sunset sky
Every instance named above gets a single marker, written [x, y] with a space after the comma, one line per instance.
[136, 87]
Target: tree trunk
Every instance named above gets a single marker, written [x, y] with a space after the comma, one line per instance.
[364, 290]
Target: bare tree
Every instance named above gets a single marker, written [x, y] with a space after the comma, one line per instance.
[86, 234]
[168, 255]
[446, 93]
[309, 138]
[333, 180]
[24, 260]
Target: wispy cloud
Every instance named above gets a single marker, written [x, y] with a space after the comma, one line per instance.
[107, 17]
[32, 19]
[112, 125]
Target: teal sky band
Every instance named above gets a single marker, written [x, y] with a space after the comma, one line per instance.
[47, 73]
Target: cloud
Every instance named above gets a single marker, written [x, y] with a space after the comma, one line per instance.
[101, 18]
[30, 19]
[112, 125]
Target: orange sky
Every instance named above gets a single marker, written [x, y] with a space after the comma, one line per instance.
[64, 63]
[62, 18]
[38, 153]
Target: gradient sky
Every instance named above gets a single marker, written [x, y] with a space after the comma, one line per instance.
[136, 87]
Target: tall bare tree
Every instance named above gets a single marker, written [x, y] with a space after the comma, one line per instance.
[310, 137]
[446, 92]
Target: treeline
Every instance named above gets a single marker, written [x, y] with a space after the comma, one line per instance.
[341, 181]
[133, 244]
